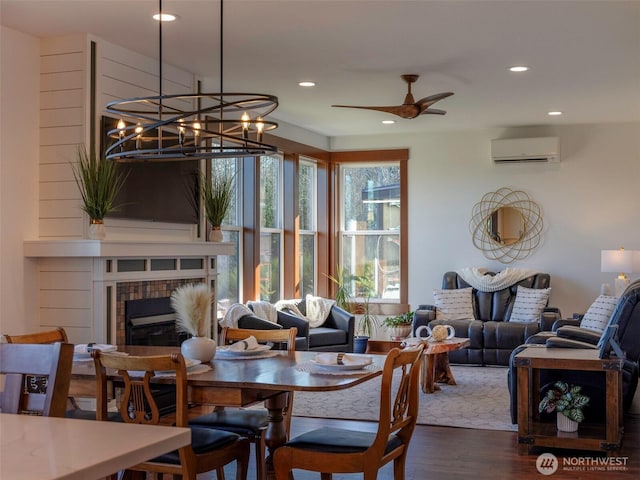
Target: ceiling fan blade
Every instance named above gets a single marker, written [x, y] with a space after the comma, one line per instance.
[404, 111]
[426, 102]
[434, 111]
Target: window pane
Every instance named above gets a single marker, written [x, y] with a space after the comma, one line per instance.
[270, 192]
[228, 166]
[371, 198]
[307, 264]
[306, 192]
[228, 274]
[270, 267]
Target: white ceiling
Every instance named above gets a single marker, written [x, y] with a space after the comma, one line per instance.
[584, 55]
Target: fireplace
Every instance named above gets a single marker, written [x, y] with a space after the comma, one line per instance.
[151, 321]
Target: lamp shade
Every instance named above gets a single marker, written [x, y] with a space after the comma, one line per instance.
[619, 261]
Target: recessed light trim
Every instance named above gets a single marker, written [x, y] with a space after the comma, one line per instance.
[518, 68]
[388, 122]
[307, 84]
[554, 113]
[166, 17]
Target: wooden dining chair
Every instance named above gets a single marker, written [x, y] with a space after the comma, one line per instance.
[330, 450]
[52, 362]
[251, 423]
[210, 449]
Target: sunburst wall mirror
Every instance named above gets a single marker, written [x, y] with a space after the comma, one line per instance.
[506, 225]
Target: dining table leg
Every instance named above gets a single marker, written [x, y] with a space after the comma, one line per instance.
[276, 434]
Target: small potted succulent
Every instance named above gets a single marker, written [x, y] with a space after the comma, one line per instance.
[399, 326]
[567, 401]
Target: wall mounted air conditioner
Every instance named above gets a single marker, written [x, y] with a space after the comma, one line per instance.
[519, 150]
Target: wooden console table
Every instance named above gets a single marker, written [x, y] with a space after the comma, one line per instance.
[532, 432]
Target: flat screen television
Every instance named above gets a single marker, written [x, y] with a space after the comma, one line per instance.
[156, 191]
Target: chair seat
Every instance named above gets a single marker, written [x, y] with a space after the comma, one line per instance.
[80, 414]
[243, 422]
[339, 440]
[203, 440]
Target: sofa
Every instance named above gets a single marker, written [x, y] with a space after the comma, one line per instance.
[334, 335]
[492, 334]
[566, 333]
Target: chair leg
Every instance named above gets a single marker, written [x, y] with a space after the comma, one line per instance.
[261, 455]
[398, 467]
[220, 473]
[326, 476]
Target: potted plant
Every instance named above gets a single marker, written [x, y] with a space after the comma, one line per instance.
[343, 296]
[399, 326]
[192, 304]
[217, 195]
[367, 325]
[567, 402]
[99, 182]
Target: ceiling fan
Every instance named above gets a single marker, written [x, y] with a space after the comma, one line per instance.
[410, 108]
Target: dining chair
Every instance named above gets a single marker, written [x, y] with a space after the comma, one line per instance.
[251, 423]
[50, 361]
[209, 449]
[330, 450]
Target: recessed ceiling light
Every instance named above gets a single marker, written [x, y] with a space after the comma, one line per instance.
[554, 113]
[518, 68]
[307, 84]
[166, 17]
[388, 122]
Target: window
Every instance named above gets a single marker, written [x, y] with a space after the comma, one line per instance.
[270, 228]
[370, 228]
[229, 266]
[307, 188]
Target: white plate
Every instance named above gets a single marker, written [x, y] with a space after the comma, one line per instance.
[358, 366]
[87, 355]
[242, 353]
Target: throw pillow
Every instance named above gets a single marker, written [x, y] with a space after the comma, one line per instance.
[453, 304]
[529, 304]
[599, 313]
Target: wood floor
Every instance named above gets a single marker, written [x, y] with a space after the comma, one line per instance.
[441, 453]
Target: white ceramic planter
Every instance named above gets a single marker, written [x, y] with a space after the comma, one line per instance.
[399, 333]
[215, 234]
[97, 230]
[198, 348]
[565, 424]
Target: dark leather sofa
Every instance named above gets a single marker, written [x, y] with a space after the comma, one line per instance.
[334, 335]
[492, 337]
[627, 316]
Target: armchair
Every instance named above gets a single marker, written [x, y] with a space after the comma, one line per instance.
[627, 316]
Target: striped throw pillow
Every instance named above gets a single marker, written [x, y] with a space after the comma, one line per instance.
[599, 313]
[529, 304]
[453, 304]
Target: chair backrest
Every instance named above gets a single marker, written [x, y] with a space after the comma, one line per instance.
[627, 316]
[399, 396]
[50, 361]
[49, 336]
[138, 405]
[284, 335]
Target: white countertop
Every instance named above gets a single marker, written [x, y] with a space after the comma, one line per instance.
[47, 448]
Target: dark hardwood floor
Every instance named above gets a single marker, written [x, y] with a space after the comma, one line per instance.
[441, 453]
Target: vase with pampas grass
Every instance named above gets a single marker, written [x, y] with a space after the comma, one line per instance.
[192, 304]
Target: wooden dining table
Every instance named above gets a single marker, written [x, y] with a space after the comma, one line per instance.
[242, 382]
[48, 448]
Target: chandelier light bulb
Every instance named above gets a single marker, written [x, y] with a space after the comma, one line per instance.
[196, 128]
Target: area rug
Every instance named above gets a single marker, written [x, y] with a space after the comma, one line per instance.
[480, 400]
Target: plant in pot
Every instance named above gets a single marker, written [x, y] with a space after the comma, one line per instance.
[399, 326]
[367, 325]
[343, 296]
[192, 304]
[567, 402]
[217, 195]
[99, 182]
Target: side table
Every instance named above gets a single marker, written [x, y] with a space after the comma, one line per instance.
[532, 432]
[435, 362]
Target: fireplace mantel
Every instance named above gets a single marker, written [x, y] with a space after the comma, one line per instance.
[122, 249]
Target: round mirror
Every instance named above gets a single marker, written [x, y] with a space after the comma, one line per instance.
[506, 225]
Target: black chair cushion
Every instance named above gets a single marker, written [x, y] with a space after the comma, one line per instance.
[80, 414]
[203, 440]
[339, 440]
[322, 336]
[243, 422]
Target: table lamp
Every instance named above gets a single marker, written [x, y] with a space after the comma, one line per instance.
[622, 262]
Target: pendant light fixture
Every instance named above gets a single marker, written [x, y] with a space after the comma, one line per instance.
[192, 125]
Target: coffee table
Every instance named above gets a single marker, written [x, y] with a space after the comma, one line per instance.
[435, 363]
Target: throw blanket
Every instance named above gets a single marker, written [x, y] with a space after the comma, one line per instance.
[264, 310]
[289, 305]
[478, 279]
[234, 313]
[318, 310]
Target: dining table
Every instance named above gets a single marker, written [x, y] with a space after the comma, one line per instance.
[243, 381]
[49, 448]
